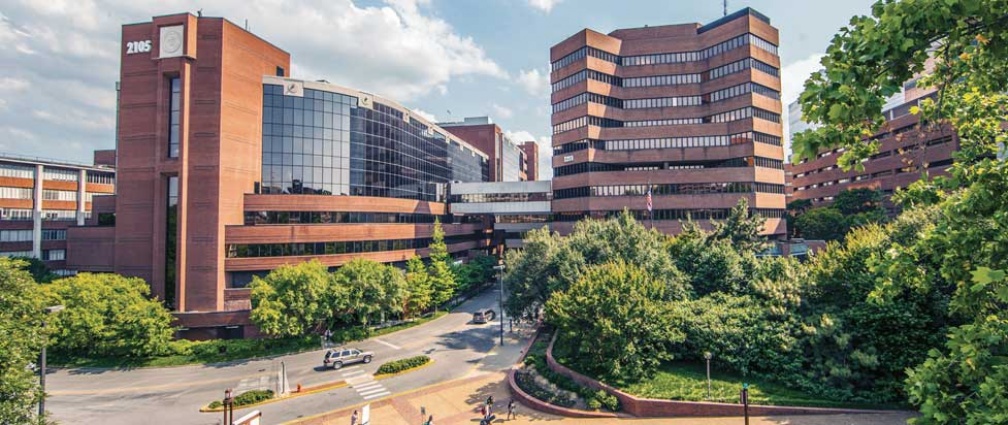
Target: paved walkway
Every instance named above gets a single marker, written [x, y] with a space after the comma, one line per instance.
[457, 402]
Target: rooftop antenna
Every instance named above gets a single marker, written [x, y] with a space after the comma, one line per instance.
[725, 7]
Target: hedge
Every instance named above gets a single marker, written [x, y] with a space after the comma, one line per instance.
[245, 398]
[400, 365]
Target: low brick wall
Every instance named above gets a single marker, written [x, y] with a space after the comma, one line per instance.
[647, 407]
[542, 406]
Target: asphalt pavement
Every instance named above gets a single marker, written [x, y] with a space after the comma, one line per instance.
[174, 395]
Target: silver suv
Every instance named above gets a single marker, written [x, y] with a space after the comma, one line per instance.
[337, 358]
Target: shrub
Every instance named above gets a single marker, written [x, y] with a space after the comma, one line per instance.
[216, 404]
[527, 384]
[400, 365]
[252, 397]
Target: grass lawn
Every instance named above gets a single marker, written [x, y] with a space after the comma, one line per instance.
[688, 382]
[220, 350]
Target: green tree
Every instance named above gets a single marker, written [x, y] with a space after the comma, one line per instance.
[293, 300]
[741, 229]
[821, 223]
[418, 287]
[21, 341]
[964, 381]
[373, 290]
[712, 265]
[532, 274]
[613, 321]
[856, 201]
[107, 315]
[441, 277]
[38, 269]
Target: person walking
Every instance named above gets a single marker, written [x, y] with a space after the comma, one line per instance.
[353, 418]
[511, 410]
[430, 420]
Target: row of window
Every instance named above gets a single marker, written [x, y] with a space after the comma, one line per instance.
[581, 54]
[61, 175]
[18, 171]
[601, 167]
[334, 248]
[500, 197]
[668, 142]
[337, 217]
[16, 235]
[717, 49]
[26, 235]
[729, 116]
[742, 65]
[660, 58]
[17, 254]
[662, 80]
[585, 74]
[59, 195]
[53, 254]
[665, 102]
[672, 214]
[668, 189]
[174, 109]
[16, 193]
[26, 214]
[100, 178]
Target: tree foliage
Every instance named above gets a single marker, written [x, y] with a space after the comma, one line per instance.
[822, 223]
[549, 263]
[39, 270]
[373, 290]
[741, 229]
[964, 381]
[418, 287]
[613, 321]
[107, 315]
[21, 340]
[442, 278]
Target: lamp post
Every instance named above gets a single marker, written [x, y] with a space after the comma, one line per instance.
[42, 358]
[500, 279]
[707, 356]
[228, 402]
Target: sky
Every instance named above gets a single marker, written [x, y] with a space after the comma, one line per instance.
[446, 59]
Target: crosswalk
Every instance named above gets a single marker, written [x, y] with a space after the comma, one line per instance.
[254, 383]
[364, 383]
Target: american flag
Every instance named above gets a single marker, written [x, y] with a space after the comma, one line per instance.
[649, 198]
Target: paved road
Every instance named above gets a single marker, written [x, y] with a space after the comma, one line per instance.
[174, 395]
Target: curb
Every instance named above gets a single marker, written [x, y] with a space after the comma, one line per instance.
[303, 392]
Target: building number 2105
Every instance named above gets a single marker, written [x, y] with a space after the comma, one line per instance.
[143, 46]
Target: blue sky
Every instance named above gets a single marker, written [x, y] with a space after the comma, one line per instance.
[470, 57]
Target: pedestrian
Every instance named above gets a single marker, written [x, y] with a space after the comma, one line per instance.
[511, 410]
[430, 420]
[353, 418]
[490, 401]
[483, 411]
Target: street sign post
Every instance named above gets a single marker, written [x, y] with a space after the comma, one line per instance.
[745, 401]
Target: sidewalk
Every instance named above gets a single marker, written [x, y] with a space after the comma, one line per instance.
[458, 402]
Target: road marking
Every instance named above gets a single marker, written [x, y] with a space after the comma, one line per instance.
[353, 372]
[356, 366]
[359, 379]
[392, 346]
[366, 393]
[368, 387]
[377, 395]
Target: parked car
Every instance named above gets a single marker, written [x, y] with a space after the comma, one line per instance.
[483, 316]
[337, 358]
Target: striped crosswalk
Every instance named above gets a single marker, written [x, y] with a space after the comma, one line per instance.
[364, 383]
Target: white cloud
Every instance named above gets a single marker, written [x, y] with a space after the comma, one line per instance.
[501, 111]
[67, 55]
[544, 5]
[426, 115]
[534, 82]
[793, 76]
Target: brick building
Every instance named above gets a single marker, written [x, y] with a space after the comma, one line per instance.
[690, 112]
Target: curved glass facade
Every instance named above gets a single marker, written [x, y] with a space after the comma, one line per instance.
[326, 143]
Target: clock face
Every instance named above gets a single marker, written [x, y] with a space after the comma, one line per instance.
[172, 42]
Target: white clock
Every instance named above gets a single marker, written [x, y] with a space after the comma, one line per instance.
[171, 41]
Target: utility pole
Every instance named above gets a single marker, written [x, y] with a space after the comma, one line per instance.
[725, 8]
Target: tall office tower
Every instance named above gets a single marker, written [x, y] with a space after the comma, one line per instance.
[531, 149]
[689, 113]
[504, 155]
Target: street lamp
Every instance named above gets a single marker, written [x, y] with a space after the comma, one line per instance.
[42, 358]
[500, 279]
[228, 405]
[707, 356]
